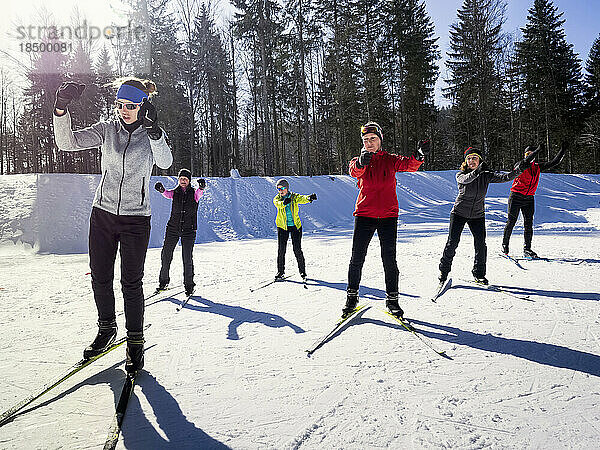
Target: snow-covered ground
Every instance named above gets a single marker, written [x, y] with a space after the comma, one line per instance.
[230, 369]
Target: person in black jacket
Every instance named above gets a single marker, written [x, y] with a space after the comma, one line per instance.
[469, 208]
[181, 225]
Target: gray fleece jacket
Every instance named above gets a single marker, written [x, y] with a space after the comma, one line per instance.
[126, 162]
[472, 189]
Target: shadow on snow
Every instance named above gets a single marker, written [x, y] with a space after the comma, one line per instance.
[237, 314]
[179, 432]
[137, 431]
[538, 292]
[538, 352]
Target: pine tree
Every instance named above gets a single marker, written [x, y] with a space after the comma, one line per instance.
[551, 79]
[167, 71]
[590, 138]
[37, 137]
[475, 84]
[343, 111]
[410, 53]
[259, 24]
[592, 77]
[372, 83]
[213, 64]
[105, 73]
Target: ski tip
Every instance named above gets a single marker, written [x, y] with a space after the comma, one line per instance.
[444, 355]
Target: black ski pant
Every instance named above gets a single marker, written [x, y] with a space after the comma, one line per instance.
[282, 238]
[477, 227]
[188, 238]
[364, 229]
[526, 205]
[131, 235]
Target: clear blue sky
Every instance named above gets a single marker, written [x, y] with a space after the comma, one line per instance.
[581, 25]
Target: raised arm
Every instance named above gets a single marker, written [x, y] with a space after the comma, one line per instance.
[503, 177]
[68, 140]
[161, 152]
[301, 199]
[160, 188]
[158, 139]
[466, 178]
[556, 160]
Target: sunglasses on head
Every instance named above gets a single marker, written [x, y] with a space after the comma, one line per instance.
[369, 129]
[129, 106]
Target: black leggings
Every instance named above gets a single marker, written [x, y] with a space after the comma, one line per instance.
[188, 238]
[131, 235]
[477, 227]
[526, 204]
[364, 229]
[282, 238]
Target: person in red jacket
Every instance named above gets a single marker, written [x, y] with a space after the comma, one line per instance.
[521, 198]
[377, 210]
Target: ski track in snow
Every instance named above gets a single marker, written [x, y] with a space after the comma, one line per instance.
[230, 371]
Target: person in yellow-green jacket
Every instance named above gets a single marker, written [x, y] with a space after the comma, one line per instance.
[288, 222]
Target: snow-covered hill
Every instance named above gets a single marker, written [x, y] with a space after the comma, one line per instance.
[50, 212]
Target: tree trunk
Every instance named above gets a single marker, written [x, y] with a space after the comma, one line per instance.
[306, 125]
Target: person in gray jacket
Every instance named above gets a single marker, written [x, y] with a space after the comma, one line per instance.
[469, 208]
[130, 144]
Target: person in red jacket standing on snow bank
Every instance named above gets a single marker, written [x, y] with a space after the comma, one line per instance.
[377, 210]
[521, 198]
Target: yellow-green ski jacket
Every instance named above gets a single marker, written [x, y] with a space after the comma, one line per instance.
[281, 219]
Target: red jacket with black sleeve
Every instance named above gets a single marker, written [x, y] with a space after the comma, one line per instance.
[527, 182]
[377, 183]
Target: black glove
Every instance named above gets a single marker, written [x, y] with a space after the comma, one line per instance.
[364, 159]
[67, 92]
[150, 119]
[201, 183]
[287, 200]
[312, 197]
[423, 149]
[159, 187]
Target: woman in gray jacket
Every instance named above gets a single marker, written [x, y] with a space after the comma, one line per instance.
[130, 144]
[469, 208]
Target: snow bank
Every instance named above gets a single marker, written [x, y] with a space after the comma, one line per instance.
[50, 212]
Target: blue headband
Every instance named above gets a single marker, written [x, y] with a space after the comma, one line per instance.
[131, 93]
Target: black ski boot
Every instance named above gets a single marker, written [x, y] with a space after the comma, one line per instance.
[189, 291]
[303, 276]
[135, 351]
[162, 286]
[443, 277]
[505, 249]
[351, 302]
[107, 332]
[481, 280]
[279, 276]
[391, 303]
[528, 253]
